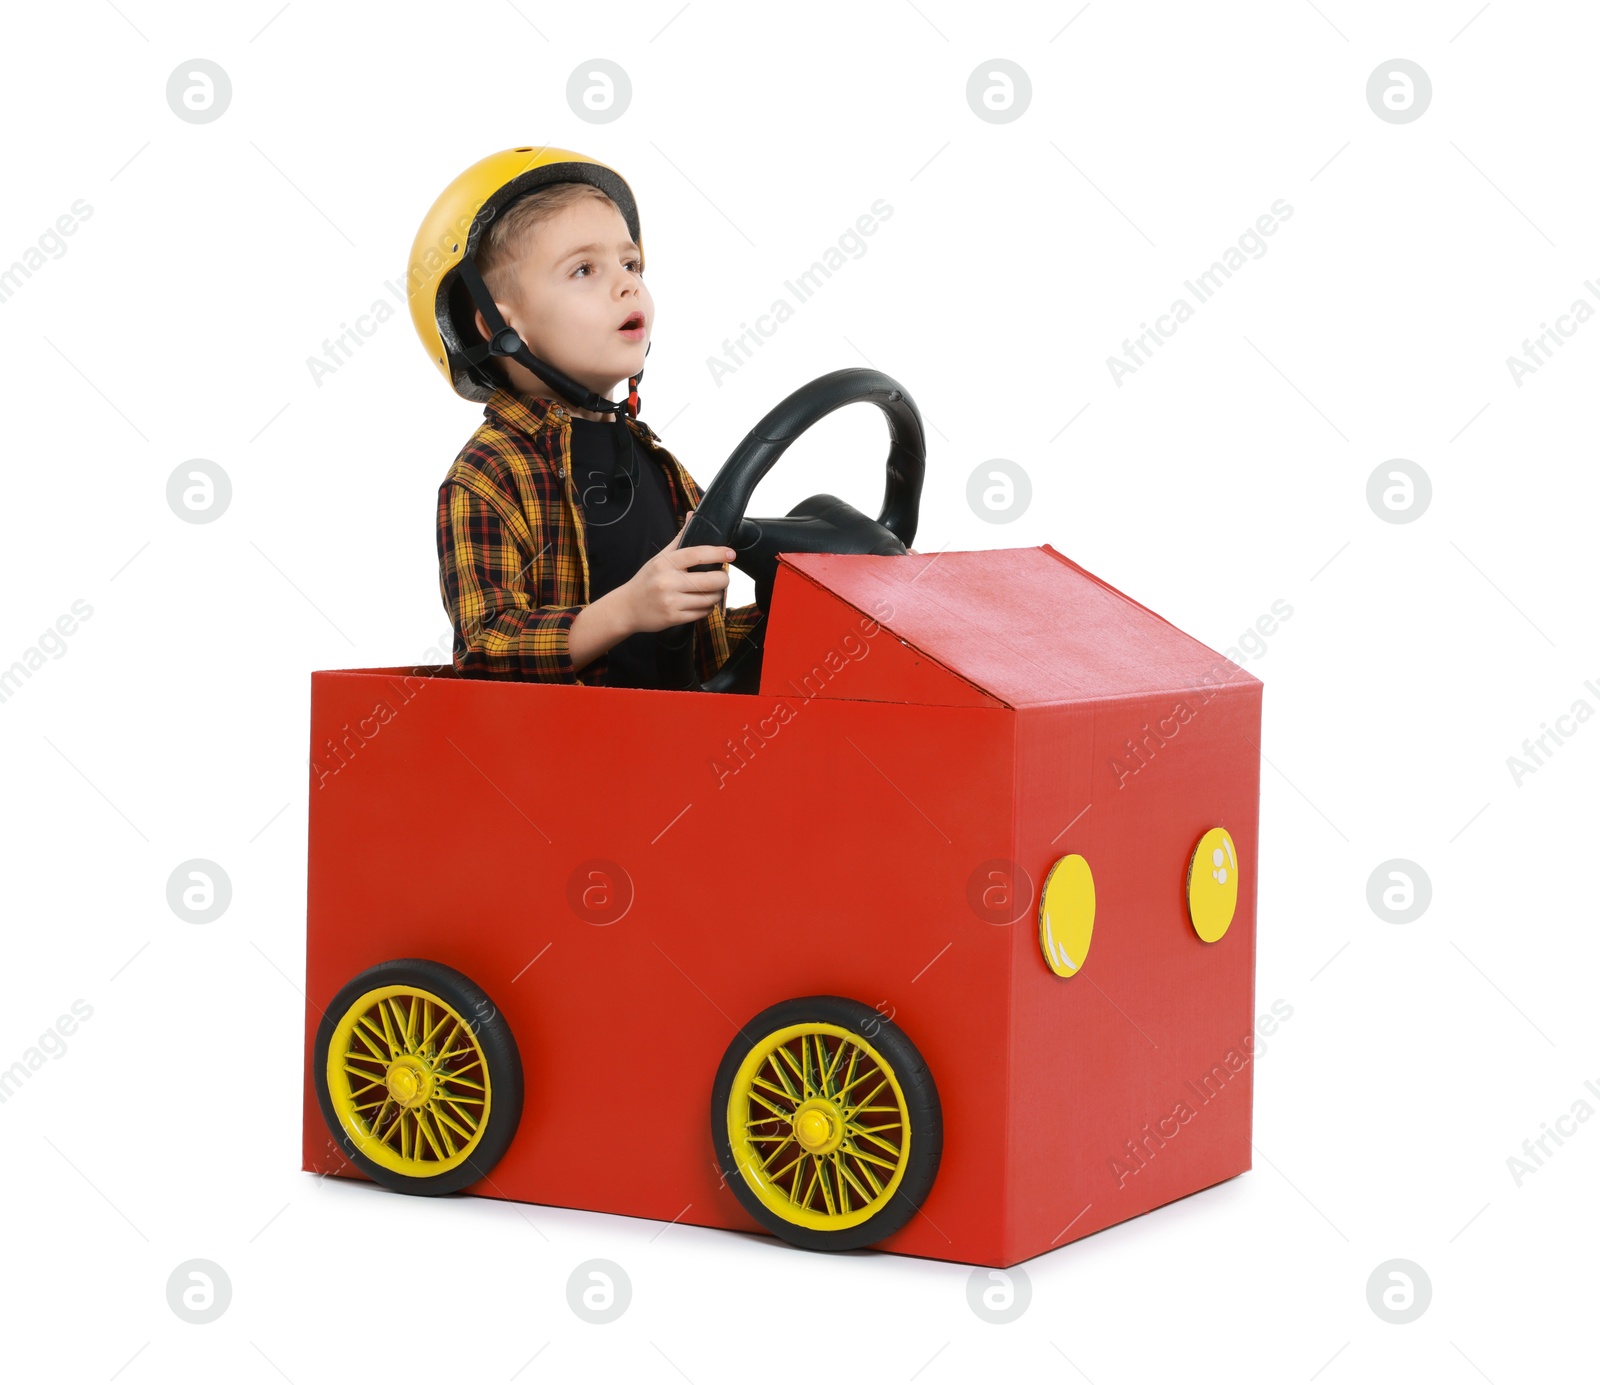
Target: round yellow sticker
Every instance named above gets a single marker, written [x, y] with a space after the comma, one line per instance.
[1213, 884]
[1066, 915]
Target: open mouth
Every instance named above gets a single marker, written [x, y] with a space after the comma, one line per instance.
[634, 323]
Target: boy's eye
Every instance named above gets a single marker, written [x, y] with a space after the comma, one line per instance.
[637, 266]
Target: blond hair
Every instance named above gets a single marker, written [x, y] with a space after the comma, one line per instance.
[508, 235]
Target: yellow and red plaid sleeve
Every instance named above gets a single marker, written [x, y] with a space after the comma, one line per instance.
[511, 552]
[489, 579]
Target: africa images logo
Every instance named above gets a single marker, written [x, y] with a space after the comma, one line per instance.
[1137, 350]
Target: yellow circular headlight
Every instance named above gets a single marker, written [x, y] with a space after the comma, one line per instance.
[1213, 884]
[1066, 915]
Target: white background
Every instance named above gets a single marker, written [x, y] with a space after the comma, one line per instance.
[1228, 473]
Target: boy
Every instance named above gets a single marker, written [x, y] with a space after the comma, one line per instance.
[560, 521]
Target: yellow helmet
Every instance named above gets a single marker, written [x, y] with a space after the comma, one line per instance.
[443, 285]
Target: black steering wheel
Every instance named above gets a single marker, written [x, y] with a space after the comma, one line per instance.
[819, 524]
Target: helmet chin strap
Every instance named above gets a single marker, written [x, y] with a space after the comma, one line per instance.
[504, 341]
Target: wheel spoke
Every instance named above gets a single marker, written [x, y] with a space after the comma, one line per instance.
[388, 1032]
[444, 1019]
[861, 1105]
[397, 1017]
[838, 1054]
[775, 1175]
[382, 1054]
[890, 1145]
[423, 1125]
[844, 1173]
[372, 1125]
[443, 1120]
[391, 1134]
[775, 1090]
[805, 1200]
[780, 1113]
[873, 1158]
[797, 1067]
[770, 1157]
[871, 1070]
[402, 1023]
[866, 1169]
[454, 1103]
[801, 1168]
[449, 1144]
[782, 1052]
[824, 1067]
[822, 1180]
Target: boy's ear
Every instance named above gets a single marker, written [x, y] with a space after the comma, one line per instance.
[506, 311]
[499, 366]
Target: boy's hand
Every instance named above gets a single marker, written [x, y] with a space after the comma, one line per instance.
[664, 592]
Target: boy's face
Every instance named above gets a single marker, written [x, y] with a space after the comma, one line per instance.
[580, 279]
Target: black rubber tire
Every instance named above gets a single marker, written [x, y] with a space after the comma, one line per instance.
[922, 1106]
[499, 1052]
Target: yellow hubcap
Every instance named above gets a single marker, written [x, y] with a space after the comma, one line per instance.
[818, 1125]
[408, 1081]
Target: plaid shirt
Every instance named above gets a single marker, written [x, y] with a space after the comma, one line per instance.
[513, 568]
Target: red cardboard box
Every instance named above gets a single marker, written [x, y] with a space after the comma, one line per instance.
[932, 735]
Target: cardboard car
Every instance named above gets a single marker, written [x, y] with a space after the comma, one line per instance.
[940, 939]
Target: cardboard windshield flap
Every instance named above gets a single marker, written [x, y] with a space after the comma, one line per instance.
[985, 793]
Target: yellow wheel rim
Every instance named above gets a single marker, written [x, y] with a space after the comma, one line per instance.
[408, 1081]
[818, 1126]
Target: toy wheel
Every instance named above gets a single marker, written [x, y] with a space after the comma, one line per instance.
[418, 1077]
[826, 1122]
